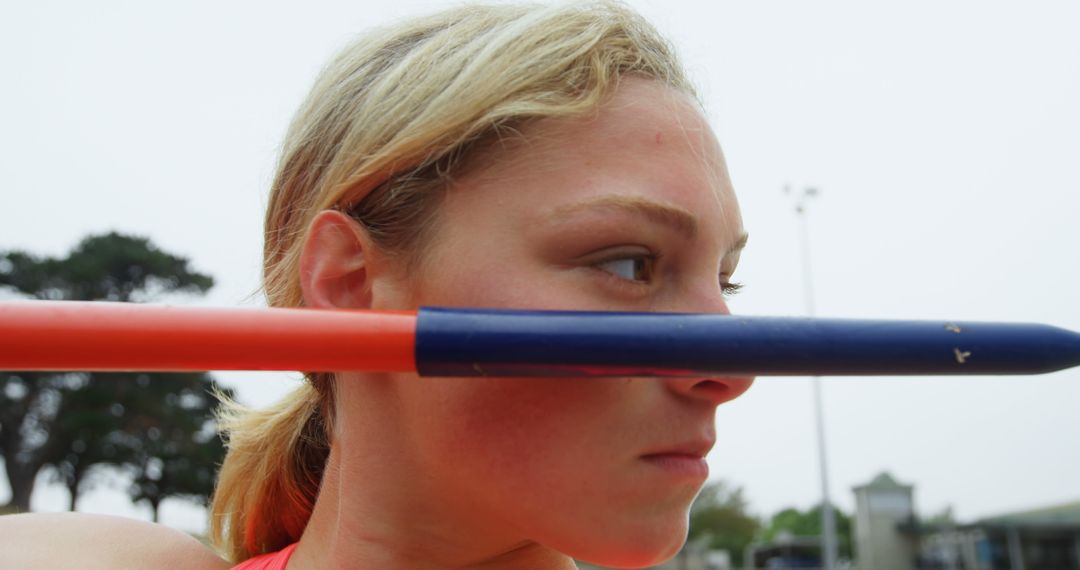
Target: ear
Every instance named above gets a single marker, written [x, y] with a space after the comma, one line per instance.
[338, 264]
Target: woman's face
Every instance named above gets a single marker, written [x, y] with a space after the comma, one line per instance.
[631, 210]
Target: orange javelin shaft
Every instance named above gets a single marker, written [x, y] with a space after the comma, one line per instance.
[74, 336]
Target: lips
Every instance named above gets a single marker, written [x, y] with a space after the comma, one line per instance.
[696, 449]
[683, 466]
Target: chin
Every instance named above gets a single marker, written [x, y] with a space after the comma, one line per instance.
[635, 549]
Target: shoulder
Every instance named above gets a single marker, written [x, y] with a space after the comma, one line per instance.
[62, 540]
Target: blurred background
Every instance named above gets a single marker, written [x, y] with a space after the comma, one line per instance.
[942, 139]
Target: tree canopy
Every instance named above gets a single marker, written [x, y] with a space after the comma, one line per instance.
[152, 425]
[720, 517]
[808, 523]
[108, 267]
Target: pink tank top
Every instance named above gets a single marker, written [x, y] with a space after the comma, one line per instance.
[271, 561]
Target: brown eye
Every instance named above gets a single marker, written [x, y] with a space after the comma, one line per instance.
[634, 268]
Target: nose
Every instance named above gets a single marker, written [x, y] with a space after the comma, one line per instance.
[713, 391]
[716, 390]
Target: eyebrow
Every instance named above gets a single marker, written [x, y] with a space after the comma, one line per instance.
[674, 217]
[739, 243]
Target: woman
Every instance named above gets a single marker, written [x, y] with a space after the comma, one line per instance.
[512, 156]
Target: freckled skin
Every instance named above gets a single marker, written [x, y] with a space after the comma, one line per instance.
[467, 469]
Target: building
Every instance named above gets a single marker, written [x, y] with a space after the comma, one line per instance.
[1039, 539]
[889, 536]
[882, 507]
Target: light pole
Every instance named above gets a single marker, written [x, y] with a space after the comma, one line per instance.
[828, 520]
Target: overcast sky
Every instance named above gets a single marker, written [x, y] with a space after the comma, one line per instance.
[944, 137]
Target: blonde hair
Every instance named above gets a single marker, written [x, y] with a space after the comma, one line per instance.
[387, 125]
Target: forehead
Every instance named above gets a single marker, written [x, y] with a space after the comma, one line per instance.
[648, 141]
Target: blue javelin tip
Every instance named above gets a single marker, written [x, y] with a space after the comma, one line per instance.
[478, 342]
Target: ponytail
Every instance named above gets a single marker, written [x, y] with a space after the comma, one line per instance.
[270, 478]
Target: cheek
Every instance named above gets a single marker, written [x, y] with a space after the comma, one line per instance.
[488, 276]
[538, 452]
[558, 471]
[559, 457]
[515, 428]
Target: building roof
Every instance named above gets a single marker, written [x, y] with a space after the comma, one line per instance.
[882, 482]
[1067, 514]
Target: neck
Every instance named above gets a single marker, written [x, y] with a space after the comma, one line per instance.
[378, 510]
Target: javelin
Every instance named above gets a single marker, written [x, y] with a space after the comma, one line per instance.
[100, 336]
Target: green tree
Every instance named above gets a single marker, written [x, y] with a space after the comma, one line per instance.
[85, 435]
[171, 446]
[943, 518]
[808, 523]
[40, 424]
[159, 428]
[720, 517]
